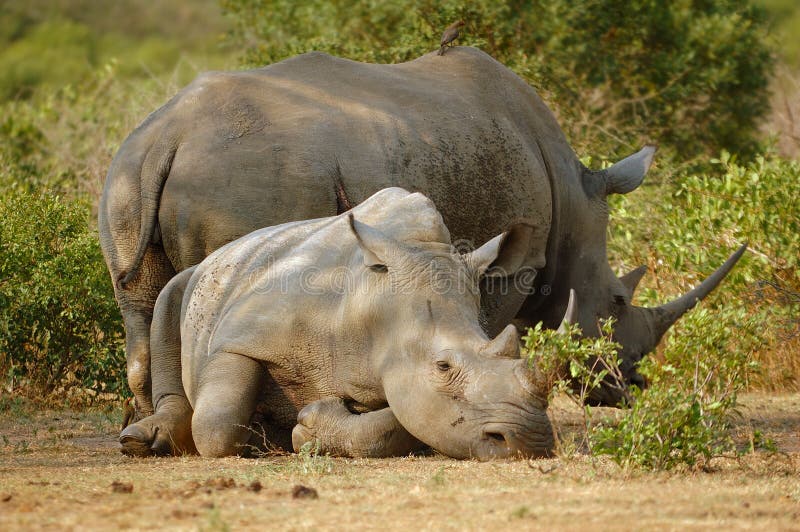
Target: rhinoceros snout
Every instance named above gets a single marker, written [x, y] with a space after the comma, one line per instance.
[513, 441]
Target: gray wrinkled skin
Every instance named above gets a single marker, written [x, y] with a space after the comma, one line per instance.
[360, 335]
[310, 136]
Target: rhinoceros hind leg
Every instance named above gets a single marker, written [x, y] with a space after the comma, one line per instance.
[226, 402]
[136, 302]
[334, 430]
[165, 433]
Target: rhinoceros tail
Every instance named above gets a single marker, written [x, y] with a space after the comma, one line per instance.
[343, 203]
[155, 169]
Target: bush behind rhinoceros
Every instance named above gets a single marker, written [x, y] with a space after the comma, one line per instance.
[688, 75]
[684, 417]
[59, 326]
[756, 202]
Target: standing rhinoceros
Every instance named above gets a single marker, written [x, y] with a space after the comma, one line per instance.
[365, 323]
[312, 135]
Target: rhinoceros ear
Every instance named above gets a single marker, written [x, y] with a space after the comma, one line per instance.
[628, 174]
[505, 254]
[375, 246]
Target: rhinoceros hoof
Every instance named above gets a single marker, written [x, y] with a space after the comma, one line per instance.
[141, 441]
[315, 419]
[323, 412]
[301, 435]
[136, 441]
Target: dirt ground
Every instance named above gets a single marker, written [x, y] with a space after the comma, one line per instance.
[63, 470]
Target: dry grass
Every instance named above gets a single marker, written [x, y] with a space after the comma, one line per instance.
[784, 120]
[779, 366]
[58, 468]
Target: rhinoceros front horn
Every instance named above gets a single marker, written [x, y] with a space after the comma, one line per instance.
[663, 317]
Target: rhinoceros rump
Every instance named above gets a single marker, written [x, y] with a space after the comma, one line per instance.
[309, 136]
[365, 324]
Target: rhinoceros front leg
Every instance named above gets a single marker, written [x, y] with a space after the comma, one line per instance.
[334, 430]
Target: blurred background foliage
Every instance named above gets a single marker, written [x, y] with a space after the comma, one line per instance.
[712, 82]
[45, 44]
[691, 75]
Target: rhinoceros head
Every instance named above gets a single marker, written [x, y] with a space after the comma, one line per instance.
[582, 263]
[446, 382]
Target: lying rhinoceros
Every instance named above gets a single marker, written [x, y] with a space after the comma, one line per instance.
[310, 136]
[365, 323]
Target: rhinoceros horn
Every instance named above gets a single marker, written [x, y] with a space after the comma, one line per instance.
[571, 315]
[504, 345]
[631, 279]
[661, 318]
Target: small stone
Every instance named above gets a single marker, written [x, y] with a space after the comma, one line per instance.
[254, 486]
[221, 483]
[5, 497]
[121, 487]
[304, 492]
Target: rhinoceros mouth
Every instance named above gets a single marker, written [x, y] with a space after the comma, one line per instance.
[527, 438]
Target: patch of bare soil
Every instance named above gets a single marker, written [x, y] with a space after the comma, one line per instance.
[63, 470]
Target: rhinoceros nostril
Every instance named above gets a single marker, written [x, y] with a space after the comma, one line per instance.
[496, 437]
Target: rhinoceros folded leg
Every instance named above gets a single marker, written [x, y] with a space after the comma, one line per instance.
[168, 430]
[227, 396]
[165, 433]
[334, 430]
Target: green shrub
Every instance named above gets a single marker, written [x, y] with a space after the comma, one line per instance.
[685, 229]
[683, 417]
[59, 323]
[564, 362]
[690, 75]
[569, 363]
[54, 51]
[63, 140]
[757, 202]
[707, 215]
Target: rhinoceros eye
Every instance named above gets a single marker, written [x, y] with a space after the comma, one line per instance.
[443, 365]
[379, 268]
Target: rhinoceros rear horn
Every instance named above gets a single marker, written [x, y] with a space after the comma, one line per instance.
[631, 279]
[626, 175]
[666, 315]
